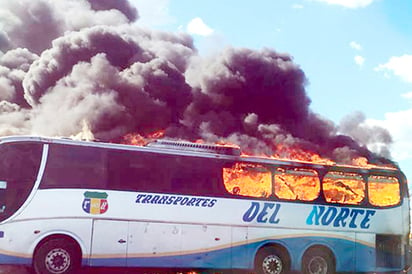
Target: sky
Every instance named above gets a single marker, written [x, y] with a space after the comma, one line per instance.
[356, 54]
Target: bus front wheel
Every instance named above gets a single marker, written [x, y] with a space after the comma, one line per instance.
[318, 261]
[271, 260]
[57, 256]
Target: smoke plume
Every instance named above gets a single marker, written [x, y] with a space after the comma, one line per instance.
[75, 63]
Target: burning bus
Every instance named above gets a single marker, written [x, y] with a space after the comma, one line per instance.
[66, 204]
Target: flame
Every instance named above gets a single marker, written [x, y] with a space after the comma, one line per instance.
[281, 151]
[297, 183]
[156, 135]
[248, 180]
[384, 191]
[285, 152]
[360, 161]
[221, 143]
[289, 153]
[340, 187]
[296, 154]
[226, 144]
[85, 134]
[256, 180]
[136, 139]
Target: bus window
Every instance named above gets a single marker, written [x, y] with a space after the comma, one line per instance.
[19, 166]
[247, 179]
[195, 176]
[296, 184]
[75, 167]
[383, 190]
[344, 188]
[137, 171]
[160, 173]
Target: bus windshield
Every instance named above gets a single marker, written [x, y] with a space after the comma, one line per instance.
[19, 165]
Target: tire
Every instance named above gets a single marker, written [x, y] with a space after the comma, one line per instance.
[57, 256]
[271, 260]
[318, 261]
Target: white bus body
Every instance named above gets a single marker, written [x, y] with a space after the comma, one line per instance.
[59, 226]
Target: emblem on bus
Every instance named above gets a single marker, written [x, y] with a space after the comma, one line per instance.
[95, 202]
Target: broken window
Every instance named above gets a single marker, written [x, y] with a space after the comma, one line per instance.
[383, 190]
[296, 184]
[344, 188]
[246, 179]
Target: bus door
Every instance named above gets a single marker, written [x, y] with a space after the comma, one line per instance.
[109, 243]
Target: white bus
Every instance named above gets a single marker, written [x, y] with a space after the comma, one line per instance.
[67, 204]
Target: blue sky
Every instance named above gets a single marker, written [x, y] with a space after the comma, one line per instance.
[356, 54]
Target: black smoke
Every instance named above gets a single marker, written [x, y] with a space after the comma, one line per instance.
[122, 6]
[66, 64]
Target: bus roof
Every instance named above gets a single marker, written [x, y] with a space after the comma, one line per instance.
[223, 152]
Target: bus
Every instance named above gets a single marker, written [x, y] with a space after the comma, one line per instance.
[67, 204]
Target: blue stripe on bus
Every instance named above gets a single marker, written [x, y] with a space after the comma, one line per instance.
[210, 259]
[243, 256]
[8, 259]
[344, 250]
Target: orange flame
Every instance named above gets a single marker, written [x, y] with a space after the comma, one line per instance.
[136, 139]
[292, 153]
[255, 180]
[304, 184]
[248, 180]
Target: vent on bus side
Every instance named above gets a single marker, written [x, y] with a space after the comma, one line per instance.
[388, 251]
[219, 149]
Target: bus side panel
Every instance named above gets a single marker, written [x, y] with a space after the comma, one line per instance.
[202, 243]
[15, 241]
[365, 252]
[19, 239]
[109, 243]
[154, 244]
[179, 245]
[406, 232]
[242, 256]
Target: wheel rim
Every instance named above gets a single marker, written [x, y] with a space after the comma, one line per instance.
[57, 260]
[318, 265]
[272, 264]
